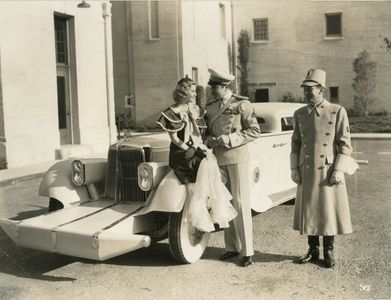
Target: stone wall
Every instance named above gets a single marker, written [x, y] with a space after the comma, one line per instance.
[297, 42]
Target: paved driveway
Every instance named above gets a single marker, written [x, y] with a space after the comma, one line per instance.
[363, 258]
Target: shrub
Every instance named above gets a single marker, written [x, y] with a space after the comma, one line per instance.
[371, 123]
[123, 121]
[3, 163]
[351, 112]
[364, 84]
[383, 113]
[243, 56]
[124, 124]
[289, 97]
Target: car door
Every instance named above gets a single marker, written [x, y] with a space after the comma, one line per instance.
[284, 145]
[277, 160]
[268, 162]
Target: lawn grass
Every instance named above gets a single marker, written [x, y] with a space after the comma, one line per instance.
[372, 123]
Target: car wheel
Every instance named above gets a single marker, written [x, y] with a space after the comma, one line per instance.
[160, 227]
[54, 205]
[187, 244]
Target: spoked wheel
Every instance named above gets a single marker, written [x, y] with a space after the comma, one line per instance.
[187, 243]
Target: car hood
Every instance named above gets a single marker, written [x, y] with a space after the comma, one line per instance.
[145, 139]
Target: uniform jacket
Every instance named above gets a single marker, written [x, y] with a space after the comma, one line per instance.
[237, 120]
[320, 144]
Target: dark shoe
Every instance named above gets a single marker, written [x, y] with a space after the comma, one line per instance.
[328, 255]
[246, 261]
[228, 255]
[329, 261]
[311, 255]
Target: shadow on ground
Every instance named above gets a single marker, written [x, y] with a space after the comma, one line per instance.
[156, 255]
[29, 263]
[34, 264]
[213, 253]
[30, 213]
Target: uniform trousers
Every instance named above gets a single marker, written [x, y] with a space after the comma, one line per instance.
[239, 236]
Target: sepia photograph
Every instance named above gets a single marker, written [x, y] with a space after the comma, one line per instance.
[195, 149]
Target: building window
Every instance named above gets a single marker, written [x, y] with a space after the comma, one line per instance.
[61, 37]
[261, 30]
[194, 74]
[334, 94]
[223, 29]
[153, 11]
[261, 95]
[334, 25]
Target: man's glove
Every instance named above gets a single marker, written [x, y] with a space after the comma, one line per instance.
[337, 177]
[190, 153]
[210, 142]
[295, 175]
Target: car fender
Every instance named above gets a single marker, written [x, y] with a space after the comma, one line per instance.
[169, 196]
[57, 183]
[257, 191]
[260, 201]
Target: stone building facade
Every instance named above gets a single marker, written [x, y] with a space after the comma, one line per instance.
[288, 37]
[53, 79]
[155, 43]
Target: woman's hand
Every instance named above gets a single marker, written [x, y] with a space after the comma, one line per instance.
[190, 153]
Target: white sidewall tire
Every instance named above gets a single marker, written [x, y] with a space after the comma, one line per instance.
[186, 243]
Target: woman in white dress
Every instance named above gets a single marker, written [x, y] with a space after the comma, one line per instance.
[193, 163]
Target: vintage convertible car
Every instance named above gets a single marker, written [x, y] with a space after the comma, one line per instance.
[101, 208]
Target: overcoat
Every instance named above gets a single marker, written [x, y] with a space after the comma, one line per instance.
[321, 144]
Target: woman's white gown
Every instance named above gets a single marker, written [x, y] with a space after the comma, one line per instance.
[209, 198]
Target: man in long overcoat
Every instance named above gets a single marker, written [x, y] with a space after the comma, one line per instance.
[320, 155]
[231, 125]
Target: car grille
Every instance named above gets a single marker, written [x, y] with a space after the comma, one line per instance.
[125, 179]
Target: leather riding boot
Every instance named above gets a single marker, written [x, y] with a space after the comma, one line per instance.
[328, 247]
[313, 251]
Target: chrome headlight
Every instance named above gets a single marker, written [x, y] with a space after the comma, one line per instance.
[145, 176]
[78, 173]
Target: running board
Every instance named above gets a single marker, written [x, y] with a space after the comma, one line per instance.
[95, 230]
[281, 197]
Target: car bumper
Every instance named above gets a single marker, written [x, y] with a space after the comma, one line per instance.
[95, 230]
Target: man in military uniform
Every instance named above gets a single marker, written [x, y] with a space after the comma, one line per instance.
[320, 156]
[231, 125]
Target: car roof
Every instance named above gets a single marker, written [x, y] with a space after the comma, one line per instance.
[266, 109]
[272, 112]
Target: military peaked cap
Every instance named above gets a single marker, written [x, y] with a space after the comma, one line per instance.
[219, 77]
